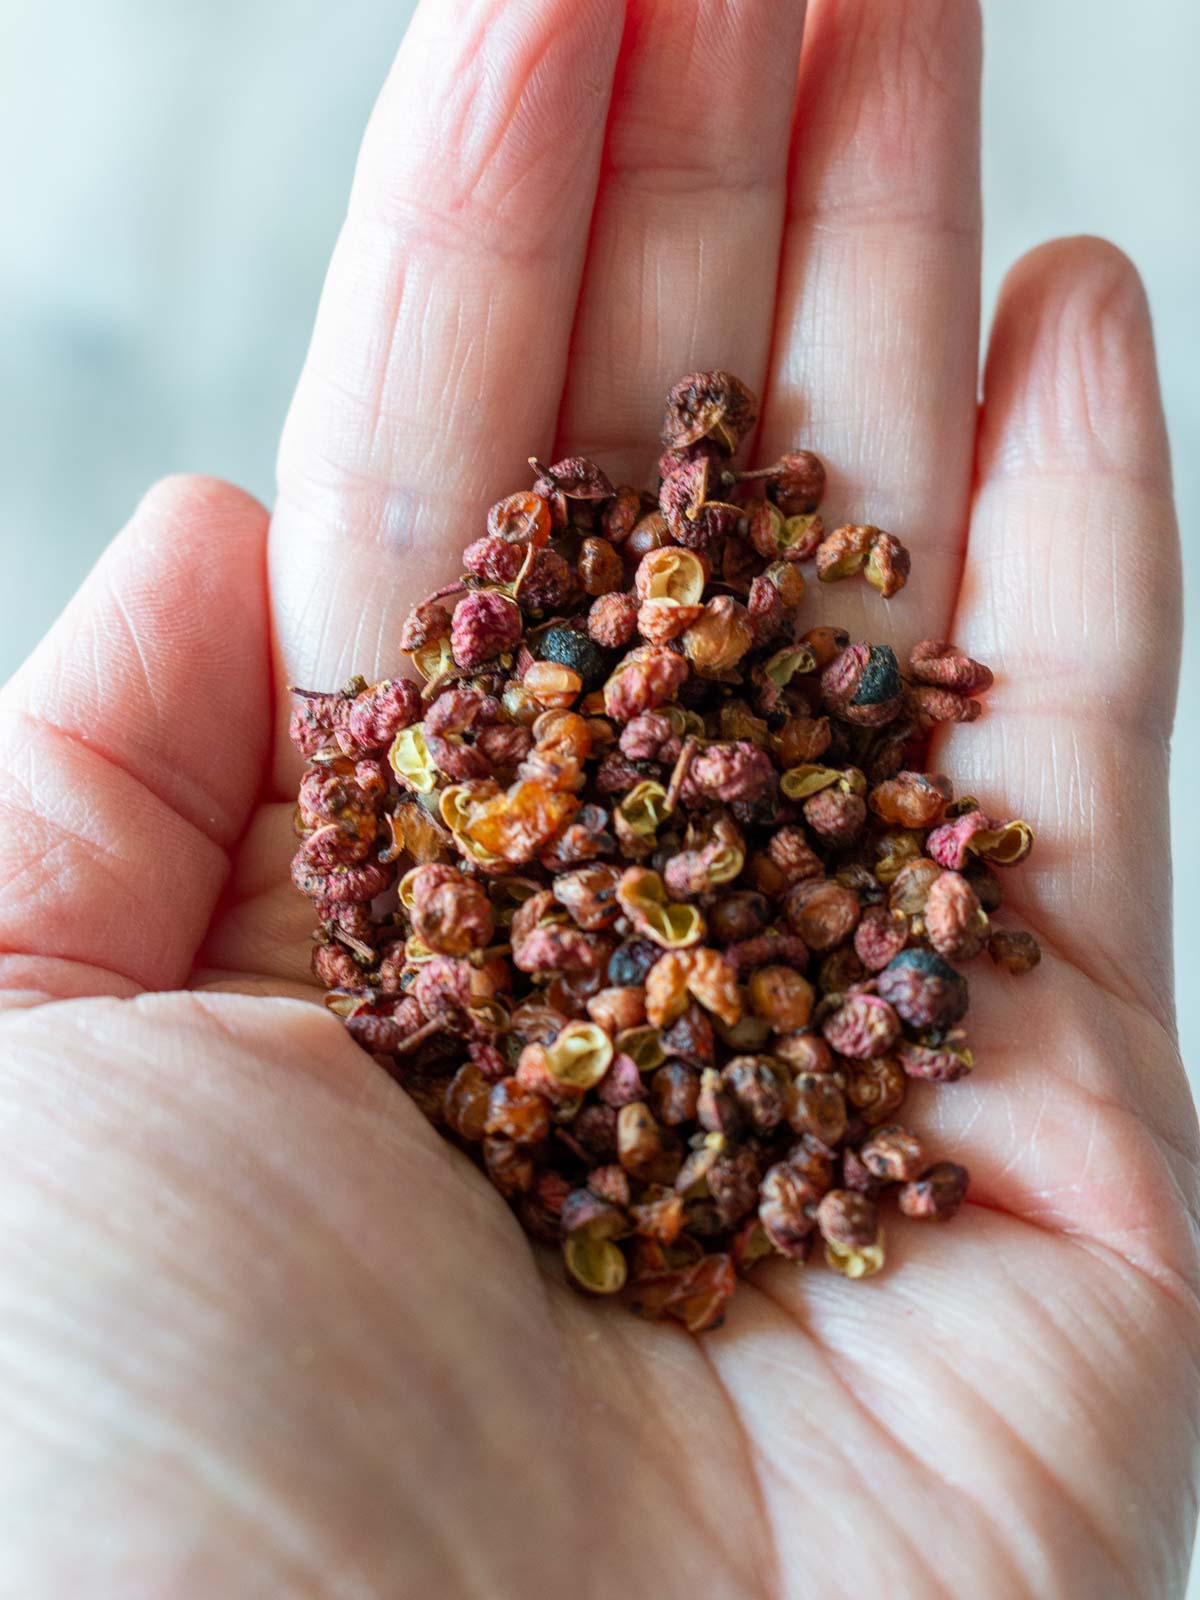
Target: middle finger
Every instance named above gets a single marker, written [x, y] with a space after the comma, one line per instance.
[684, 249]
[876, 356]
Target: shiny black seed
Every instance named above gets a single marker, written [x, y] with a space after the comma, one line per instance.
[927, 962]
[577, 651]
[630, 962]
[880, 677]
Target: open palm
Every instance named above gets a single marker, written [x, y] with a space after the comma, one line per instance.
[261, 1333]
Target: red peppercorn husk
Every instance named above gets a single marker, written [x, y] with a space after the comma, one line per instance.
[675, 916]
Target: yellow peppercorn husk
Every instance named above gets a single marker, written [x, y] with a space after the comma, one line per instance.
[520, 704]
[494, 1014]
[736, 722]
[894, 851]
[459, 802]
[671, 574]
[643, 1046]
[644, 809]
[594, 1263]
[435, 659]
[718, 640]
[345, 1005]
[797, 530]
[863, 1262]
[486, 860]
[675, 925]
[517, 824]
[581, 1055]
[552, 685]
[413, 832]
[785, 664]
[1004, 846]
[726, 864]
[797, 783]
[411, 761]
[684, 724]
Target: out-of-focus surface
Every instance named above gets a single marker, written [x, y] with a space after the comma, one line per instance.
[174, 177]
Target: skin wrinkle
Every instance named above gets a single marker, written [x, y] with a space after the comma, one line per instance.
[241, 1492]
[118, 602]
[682, 1357]
[1109, 978]
[937, 1589]
[449, 305]
[212, 980]
[89, 846]
[1092, 1524]
[1000, 1542]
[1183, 1297]
[1034, 1304]
[82, 978]
[490, 116]
[1119, 1308]
[884, 222]
[186, 794]
[184, 1457]
[875, 136]
[376, 480]
[37, 724]
[1155, 1268]
[855, 323]
[312, 1220]
[772, 1571]
[1022, 1143]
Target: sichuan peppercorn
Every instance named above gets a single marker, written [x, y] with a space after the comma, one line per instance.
[679, 911]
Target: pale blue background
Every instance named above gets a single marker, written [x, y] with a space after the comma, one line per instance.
[174, 175]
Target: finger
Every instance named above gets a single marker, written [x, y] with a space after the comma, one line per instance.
[437, 360]
[132, 747]
[876, 341]
[1072, 592]
[683, 257]
[265, 928]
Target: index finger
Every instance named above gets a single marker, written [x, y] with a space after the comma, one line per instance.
[437, 360]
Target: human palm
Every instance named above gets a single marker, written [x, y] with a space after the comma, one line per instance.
[262, 1332]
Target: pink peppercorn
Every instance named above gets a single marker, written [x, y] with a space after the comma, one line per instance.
[484, 624]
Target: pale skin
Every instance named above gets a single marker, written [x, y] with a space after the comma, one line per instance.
[261, 1333]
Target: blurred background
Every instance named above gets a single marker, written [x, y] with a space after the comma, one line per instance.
[176, 176]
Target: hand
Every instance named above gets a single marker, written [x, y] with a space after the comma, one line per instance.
[262, 1332]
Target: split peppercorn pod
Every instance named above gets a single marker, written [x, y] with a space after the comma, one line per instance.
[640, 883]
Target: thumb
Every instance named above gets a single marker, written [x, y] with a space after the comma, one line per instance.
[132, 746]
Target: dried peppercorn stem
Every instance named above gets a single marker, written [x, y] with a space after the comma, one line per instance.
[308, 694]
[679, 773]
[418, 1036]
[523, 570]
[437, 685]
[680, 912]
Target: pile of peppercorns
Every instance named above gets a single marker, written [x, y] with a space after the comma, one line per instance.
[677, 912]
